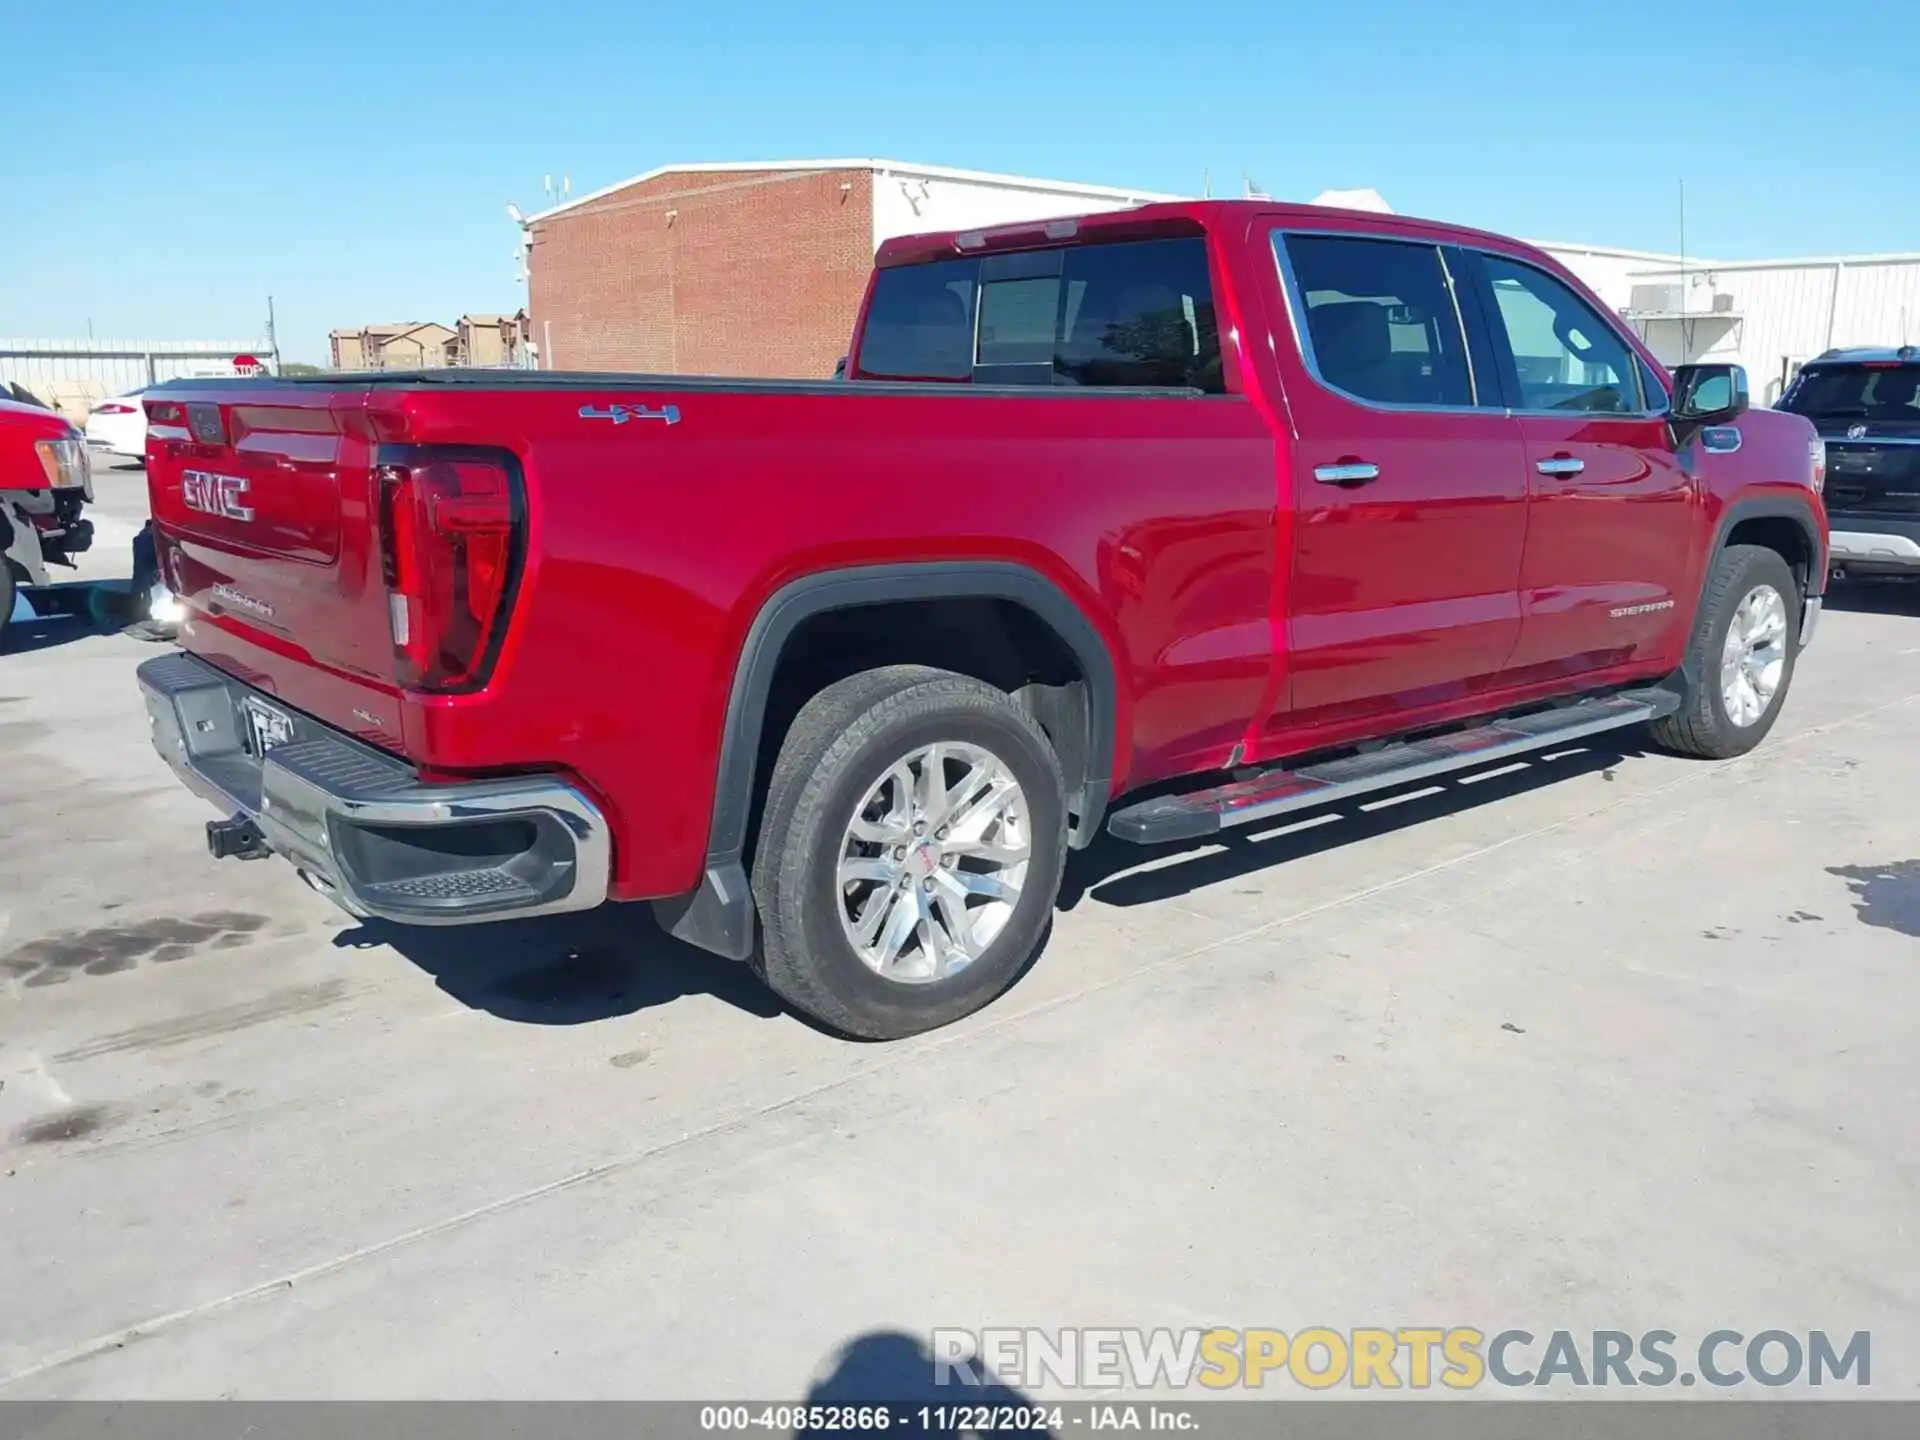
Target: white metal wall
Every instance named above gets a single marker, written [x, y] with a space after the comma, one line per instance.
[1793, 310]
[1609, 273]
[1874, 296]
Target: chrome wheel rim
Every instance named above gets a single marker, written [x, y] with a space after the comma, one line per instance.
[1754, 659]
[932, 862]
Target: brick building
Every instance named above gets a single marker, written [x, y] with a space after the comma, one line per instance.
[749, 269]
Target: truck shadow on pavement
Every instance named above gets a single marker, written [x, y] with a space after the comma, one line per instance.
[1897, 597]
[60, 622]
[614, 961]
[1113, 872]
[25, 636]
[568, 969]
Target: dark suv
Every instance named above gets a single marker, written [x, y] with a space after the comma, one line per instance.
[1866, 405]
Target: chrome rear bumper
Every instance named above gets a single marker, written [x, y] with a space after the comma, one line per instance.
[360, 826]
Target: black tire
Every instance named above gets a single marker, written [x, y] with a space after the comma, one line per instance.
[843, 740]
[1701, 726]
[9, 587]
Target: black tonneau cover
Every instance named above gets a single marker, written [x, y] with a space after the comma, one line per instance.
[478, 379]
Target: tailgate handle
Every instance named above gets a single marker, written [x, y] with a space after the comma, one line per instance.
[1561, 465]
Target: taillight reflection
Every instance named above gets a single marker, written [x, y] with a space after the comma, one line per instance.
[450, 530]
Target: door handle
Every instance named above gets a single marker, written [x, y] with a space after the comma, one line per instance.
[1561, 465]
[1347, 472]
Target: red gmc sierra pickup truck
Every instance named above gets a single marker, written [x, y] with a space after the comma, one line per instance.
[46, 480]
[1156, 522]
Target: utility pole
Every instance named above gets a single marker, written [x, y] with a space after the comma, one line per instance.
[1686, 328]
[273, 339]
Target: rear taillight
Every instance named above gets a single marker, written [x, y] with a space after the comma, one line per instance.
[1819, 449]
[167, 420]
[450, 532]
[114, 407]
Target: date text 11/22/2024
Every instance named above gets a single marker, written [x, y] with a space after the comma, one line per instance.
[868, 1419]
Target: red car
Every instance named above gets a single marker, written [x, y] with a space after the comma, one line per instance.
[46, 480]
[1155, 523]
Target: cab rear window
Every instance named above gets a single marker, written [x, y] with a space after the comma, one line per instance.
[1138, 313]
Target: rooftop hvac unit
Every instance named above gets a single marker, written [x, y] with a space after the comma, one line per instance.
[1679, 301]
[1657, 299]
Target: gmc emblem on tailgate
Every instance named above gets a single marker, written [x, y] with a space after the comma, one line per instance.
[213, 494]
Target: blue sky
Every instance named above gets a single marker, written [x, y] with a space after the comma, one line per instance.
[166, 167]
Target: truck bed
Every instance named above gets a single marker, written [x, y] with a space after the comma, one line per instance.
[478, 379]
[650, 547]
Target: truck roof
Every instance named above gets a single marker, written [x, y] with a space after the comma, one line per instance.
[1867, 355]
[1168, 218]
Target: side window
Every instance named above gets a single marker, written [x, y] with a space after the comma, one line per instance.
[1380, 319]
[1566, 357]
[1652, 390]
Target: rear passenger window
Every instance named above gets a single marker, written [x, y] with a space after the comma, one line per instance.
[1380, 319]
[920, 324]
[1138, 313]
[1566, 356]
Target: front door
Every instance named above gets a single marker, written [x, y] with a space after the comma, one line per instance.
[1605, 579]
[1410, 493]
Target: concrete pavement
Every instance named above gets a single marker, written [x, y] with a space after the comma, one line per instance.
[1610, 1039]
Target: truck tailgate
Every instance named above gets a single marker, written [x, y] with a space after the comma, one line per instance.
[263, 504]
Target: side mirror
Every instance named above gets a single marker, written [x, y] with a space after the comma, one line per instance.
[1709, 394]
[840, 368]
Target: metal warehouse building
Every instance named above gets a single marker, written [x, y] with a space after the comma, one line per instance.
[1771, 316]
[749, 269]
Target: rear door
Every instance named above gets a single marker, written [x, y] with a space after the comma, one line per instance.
[1185, 508]
[1868, 412]
[1605, 578]
[1409, 487]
